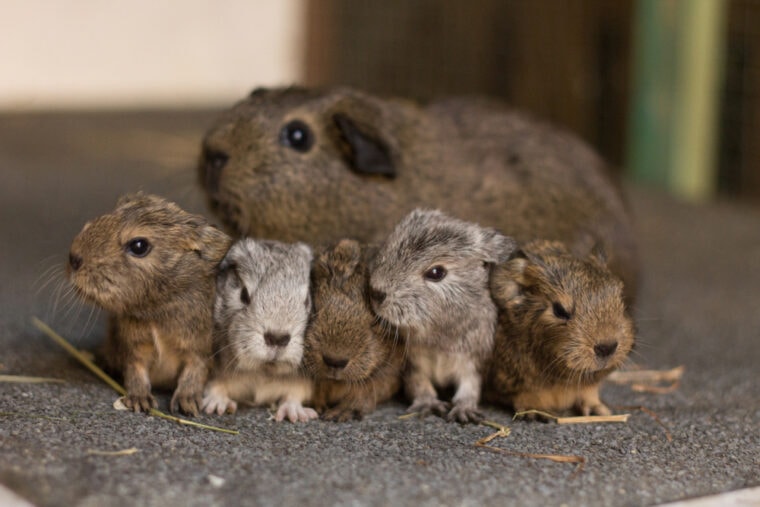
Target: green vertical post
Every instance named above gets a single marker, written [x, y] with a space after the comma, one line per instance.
[677, 73]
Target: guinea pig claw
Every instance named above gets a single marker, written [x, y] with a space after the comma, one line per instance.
[187, 404]
[215, 403]
[140, 403]
[464, 415]
[293, 411]
[597, 409]
[426, 407]
[343, 414]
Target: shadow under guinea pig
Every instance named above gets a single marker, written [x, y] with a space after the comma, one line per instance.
[354, 359]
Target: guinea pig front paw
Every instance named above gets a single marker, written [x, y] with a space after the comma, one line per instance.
[217, 402]
[187, 403]
[464, 414]
[343, 414]
[427, 406]
[597, 408]
[139, 402]
[293, 411]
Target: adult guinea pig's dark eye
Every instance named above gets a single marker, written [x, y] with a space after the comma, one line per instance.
[560, 311]
[138, 247]
[245, 297]
[435, 274]
[297, 135]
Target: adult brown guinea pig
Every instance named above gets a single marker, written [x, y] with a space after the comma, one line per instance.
[562, 329]
[152, 266]
[319, 165]
[354, 359]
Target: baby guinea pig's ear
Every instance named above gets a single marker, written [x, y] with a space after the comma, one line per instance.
[358, 130]
[344, 258]
[497, 248]
[211, 244]
[508, 279]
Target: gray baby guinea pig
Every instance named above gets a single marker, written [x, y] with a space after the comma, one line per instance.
[430, 278]
[152, 266]
[355, 361]
[260, 315]
[563, 327]
[319, 165]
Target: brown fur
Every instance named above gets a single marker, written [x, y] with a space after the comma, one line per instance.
[372, 160]
[160, 303]
[543, 361]
[343, 328]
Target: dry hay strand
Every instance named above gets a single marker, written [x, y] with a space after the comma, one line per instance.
[585, 419]
[654, 416]
[25, 379]
[504, 431]
[649, 381]
[123, 452]
[87, 362]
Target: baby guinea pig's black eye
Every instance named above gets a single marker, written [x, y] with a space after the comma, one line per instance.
[297, 135]
[560, 312]
[138, 247]
[245, 297]
[435, 274]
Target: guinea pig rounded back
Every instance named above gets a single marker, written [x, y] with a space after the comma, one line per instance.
[142, 255]
[345, 163]
[262, 303]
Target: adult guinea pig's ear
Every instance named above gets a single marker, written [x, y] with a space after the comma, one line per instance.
[211, 244]
[362, 144]
[599, 255]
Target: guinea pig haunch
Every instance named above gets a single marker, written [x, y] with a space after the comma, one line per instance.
[151, 265]
[562, 328]
[260, 315]
[320, 165]
[430, 278]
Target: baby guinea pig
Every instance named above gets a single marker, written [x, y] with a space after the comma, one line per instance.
[151, 265]
[260, 314]
[353, 358]
[430, 278]
[562, 328]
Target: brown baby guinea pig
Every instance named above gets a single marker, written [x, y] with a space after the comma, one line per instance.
[563, 327]
[354, 359]
[318, 165]
[151, 265]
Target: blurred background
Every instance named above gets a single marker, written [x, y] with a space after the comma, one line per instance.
[667, 90]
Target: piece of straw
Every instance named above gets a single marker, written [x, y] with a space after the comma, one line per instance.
[82, 358]
[580, 461]
[23, 379]
[123, 452]
[586, 419]
[646, 376]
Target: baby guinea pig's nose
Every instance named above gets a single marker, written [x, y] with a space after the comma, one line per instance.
[75, 261]
[605, 350]
[377, 296]
[274, 339]
[334, 362]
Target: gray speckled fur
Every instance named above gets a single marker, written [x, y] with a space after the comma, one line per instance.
[449, 324]
[275, 279]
